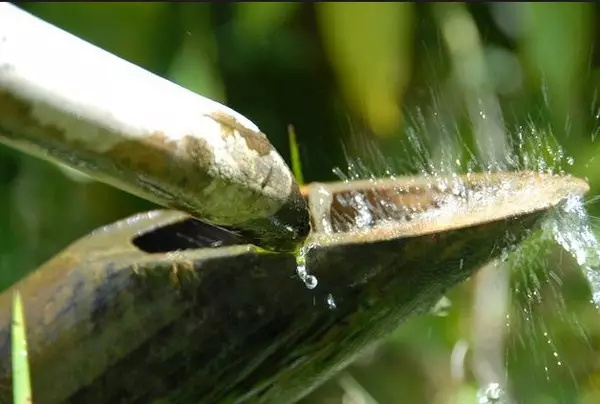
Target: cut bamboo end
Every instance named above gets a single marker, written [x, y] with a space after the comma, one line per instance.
[65, 100]
[368, 210]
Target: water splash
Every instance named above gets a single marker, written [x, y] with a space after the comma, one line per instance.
[442, 307]
[540, 313]
[571, 228]
[438, 152]
[491, 393]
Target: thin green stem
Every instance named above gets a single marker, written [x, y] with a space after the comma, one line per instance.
[20, 364]
[295, 155]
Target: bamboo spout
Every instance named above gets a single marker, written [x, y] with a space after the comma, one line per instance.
[160, 305]
[64, 100]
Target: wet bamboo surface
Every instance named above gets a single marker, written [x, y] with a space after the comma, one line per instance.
[161, 306]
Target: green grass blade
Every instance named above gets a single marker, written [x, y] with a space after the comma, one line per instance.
[20, 364]
[295, 155]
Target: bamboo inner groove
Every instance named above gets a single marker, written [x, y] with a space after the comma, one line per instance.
[416, 205]
[406, 205]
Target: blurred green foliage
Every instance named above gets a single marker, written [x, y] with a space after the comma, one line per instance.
[345, 75]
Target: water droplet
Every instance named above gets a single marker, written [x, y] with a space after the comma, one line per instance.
[331, 302]
[570, 160]
[311, 281]
[492, 393]
[301, 271]
[442, 307]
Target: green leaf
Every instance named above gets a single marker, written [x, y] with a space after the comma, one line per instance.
[194, 65]
[369, 47]
[20, 364]
[143, 33]
[556, 48]
[259, 20]
[295, 156]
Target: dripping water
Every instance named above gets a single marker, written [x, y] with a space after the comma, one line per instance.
[310, 281]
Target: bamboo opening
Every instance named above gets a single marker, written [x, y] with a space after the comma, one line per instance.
[184, 235]
[389, 208]
[408, 206]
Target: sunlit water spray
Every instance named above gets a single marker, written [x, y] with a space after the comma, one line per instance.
[571, 228]
[569, 225]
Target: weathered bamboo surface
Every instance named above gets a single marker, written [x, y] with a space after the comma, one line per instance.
[65, 100]
[161, 306]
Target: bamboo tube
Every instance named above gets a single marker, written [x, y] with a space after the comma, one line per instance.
[161, 306]
[65, 100]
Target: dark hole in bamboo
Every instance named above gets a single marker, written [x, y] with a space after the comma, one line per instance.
[184, 235]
